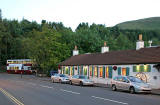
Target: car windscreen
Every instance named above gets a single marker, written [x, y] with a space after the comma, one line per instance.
[82, 77]
[62, 75]
[134, 79]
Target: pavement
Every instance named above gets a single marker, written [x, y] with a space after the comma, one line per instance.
[31, 90]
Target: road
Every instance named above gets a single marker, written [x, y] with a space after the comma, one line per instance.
[31, 90]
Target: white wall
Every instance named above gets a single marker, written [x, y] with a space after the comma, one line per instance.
[154, 83]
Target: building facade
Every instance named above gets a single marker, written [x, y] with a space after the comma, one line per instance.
[143, 63]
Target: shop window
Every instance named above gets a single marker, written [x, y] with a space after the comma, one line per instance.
[101, 71]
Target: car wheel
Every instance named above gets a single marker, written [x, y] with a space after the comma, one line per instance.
[60, 81]
[52, 80]
[81, 83]
[132, 90]
[114, 87]
[70, 82]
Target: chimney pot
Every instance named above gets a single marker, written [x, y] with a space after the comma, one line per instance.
[105, 48]
[75, 47]
[140, 37]
[105, 44]
[75, 51]
[139, 43]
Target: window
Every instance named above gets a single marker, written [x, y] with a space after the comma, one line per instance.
[66, 70]
[119, 78]
[75, 76]
[115, 78]
[123, 71]
[107, 72]
[90, 70]
[85, 70]
[95, 71]
[142, 68]
[101, 71]
[71, 73]
[125, 79]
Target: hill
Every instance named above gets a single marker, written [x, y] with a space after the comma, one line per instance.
[152, 23]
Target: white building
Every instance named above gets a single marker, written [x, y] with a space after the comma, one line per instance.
[102, 67]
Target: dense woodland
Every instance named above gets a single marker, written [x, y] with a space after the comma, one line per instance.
[49, 43]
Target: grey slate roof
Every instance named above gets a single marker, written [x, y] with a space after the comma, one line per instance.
[143, 56]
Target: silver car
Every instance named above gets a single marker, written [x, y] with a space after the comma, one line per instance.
[81, 80]
[130, 83]
[61, 78]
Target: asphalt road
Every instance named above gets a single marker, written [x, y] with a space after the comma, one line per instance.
[34, 91]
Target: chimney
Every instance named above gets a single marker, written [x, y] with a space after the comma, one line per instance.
[139, 43]
[75, 51]
[104, 48]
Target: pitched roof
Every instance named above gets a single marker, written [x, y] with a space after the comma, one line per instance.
[142, 56]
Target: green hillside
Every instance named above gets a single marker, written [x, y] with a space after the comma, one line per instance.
[152, 23]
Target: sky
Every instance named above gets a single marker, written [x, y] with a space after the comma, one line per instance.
[73, 12]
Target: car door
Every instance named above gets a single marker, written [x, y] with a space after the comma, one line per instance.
[125, 84]
[119, 82]
[56, 78]
[74, 79]
[77, 79]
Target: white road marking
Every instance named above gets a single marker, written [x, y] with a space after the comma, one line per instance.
[32, 84]
[110, 100]
[19, 81]
[69, 91]
[46, 86]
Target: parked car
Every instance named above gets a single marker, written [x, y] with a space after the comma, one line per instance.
[61, 78]
[81, 80]
[130, 83]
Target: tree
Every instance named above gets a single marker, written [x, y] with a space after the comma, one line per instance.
[46, 49]
[0, 15]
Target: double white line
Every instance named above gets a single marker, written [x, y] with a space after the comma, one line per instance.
[11, 97]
